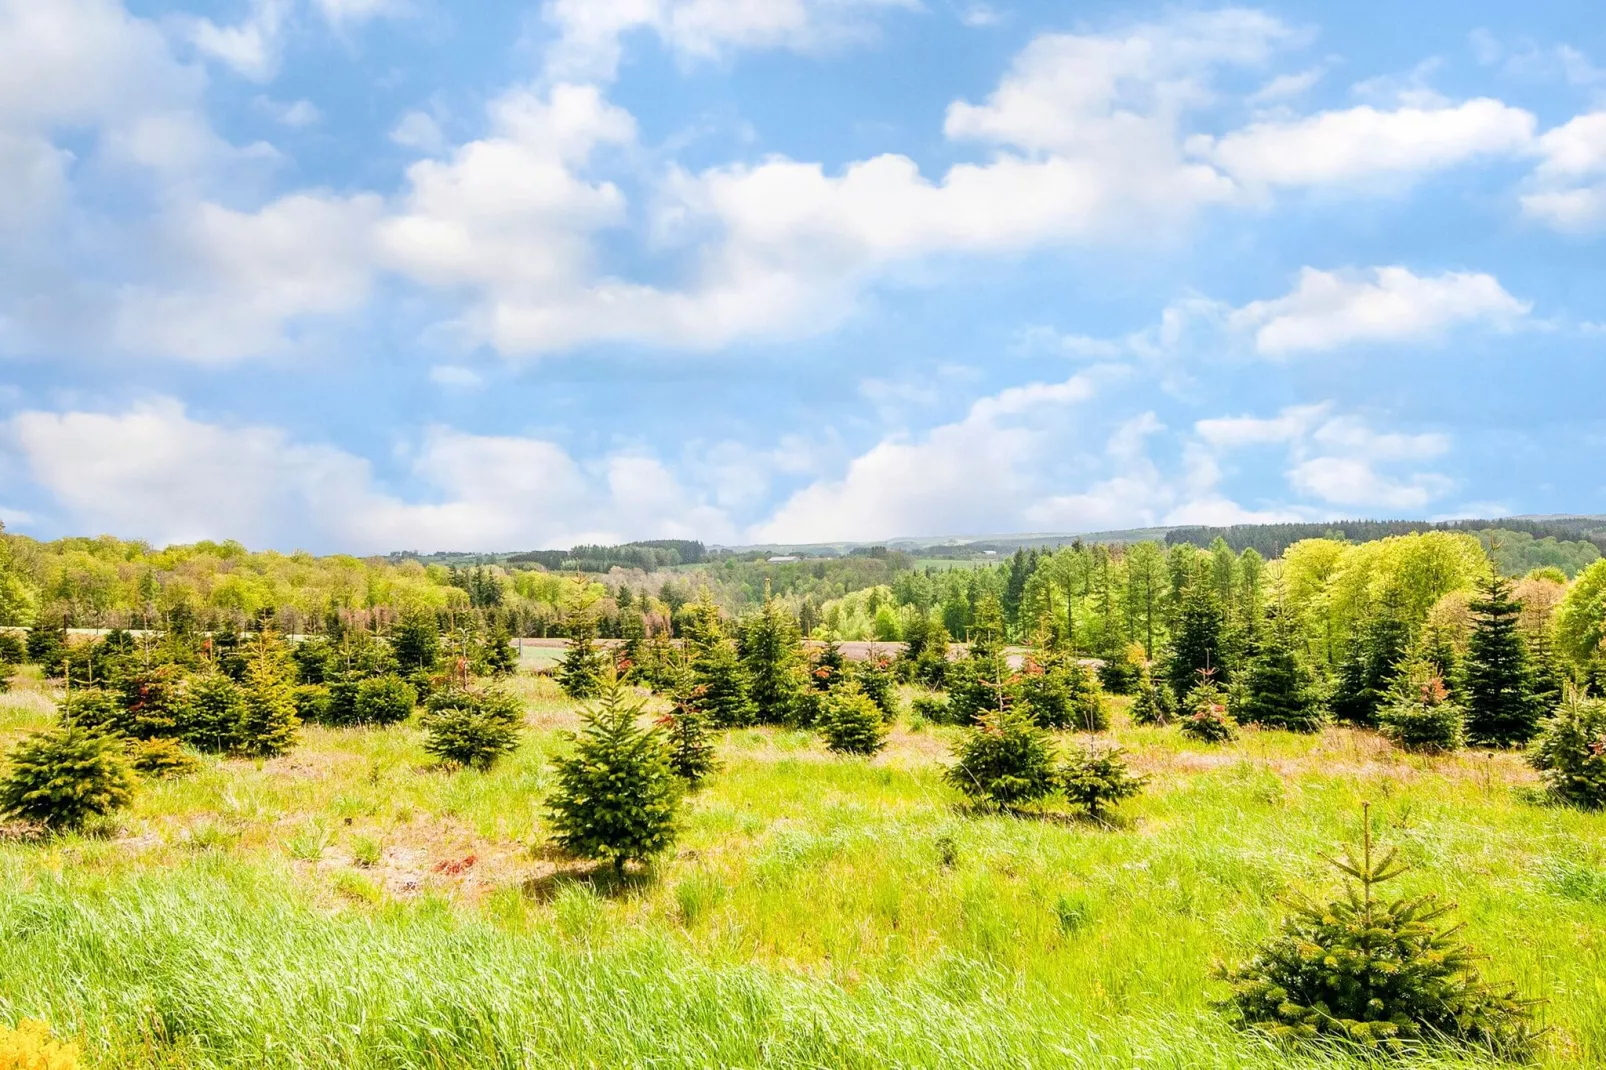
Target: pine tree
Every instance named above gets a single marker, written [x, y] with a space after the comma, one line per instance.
[1380, 973]
[617, 797]
[1276, 690]
[268, 722]
[64, 775]
[583, 667]
[772, 654]
[1501, 709]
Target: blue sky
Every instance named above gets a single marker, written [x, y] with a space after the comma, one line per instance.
[367, 275]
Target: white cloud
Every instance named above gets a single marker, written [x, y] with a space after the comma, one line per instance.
[1349, 481]
[1329, 310]
[251, 47]
[1333, 148]
[455, 375]
[343, 12]
[1285, 86]
[419, 130]
[244, 275]
[1569, 185]
[157, 473]
[295, 114]
[590, 32]
[980, 15]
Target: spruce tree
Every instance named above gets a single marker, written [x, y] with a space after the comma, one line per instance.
[416, 643]
[691, 748]
[1005, 760]
[64, 775]
[617, 797]
[720, 686]
[772, 654]
[268, 722]
[212, 712]
[1276, 690]
[1570, 753]
[851, 722]
[1371, 665]
[1549, 678]
[1154, 704]
[1204, 713]
[1197, 643]
[1384, 974]
[501, 659]
[1422, 716]
[472, 728]
[583, 667]
[1096, 777]
[1501, 709]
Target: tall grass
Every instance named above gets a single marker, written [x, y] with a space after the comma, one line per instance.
[820, 912]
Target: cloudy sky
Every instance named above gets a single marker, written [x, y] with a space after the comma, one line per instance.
[385, 274]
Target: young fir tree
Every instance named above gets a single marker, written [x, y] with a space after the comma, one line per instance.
[1501, 709]
[1384, 974]
[472, 728]
[1005, 760]
[1196, 645]
[851, 722]
[1154, 704]
[691, 747]
[1276, 690]
[876, 679]
[1205, 717]
[1096, 777]
[1371, 665]
[416, 643]
[720, 683]
[1549, 679]
[500, 657]
[1570, 752]
[772, 654]
[617, 796]
[268, 722]
[153, 703]
[582, 670]
[212, 712]
[1422, 716]
[62, 776]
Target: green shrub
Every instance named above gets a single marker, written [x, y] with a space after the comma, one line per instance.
[1570, 752]
[161, 759]
[617, 797]
[933, 706]
[473, 729]
[313, 703]
[1421, 716]
[1096, 777]
[384, 700]
[1006, 760]
[64, 775]
[1383, 974]
[851, 722]
[1207, 719]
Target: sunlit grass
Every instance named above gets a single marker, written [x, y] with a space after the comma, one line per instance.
[351, 904]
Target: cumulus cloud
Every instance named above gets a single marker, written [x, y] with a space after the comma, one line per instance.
[1329, 309]
[1360, 144]
[252, 47]
[1568, 188]
[156, 472]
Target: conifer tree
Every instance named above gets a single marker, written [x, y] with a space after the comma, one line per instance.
[691, 748]
[1205, 716]
[772, 654]
[1501, 709]
[851, 722]
[501, 659]
[212, 712]
[416, 642]
[875, 678]
[1422, 715]
[1095, 777]
[721, 686]
[1197, 643]
[1371, 665]
[1385, 974]
[1005, 760]
[583, 667]
[64, 775]
[1276, 690]
[617, 797]
[1570, 752]
[470, 728]
[1549, 679]
[1154, 704]
[268, 722]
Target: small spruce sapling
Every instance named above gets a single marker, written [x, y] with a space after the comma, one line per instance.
[581, 671]
[1422, 717]
[62, 776]
[268, 722]
[691, 748]
[1383, 974]
[851, 722]
[472, 729]
[1005, 760]
[617, 796]
[1154, 704]
[1206, 718]
[161, 759]
[1570, 752]
[1095, 777]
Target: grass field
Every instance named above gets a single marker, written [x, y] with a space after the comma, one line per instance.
[350, 906]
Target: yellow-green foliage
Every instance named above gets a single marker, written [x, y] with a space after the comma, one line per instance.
[871, 613]
[31, 1047]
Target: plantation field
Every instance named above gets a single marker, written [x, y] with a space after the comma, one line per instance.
[352, 905]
